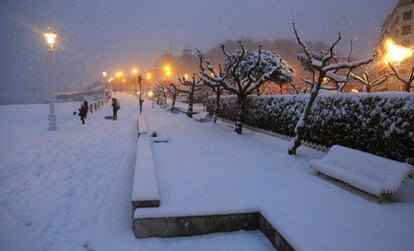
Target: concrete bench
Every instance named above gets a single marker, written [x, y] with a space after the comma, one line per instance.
[375, 175]
[142, 126]
[145, 192]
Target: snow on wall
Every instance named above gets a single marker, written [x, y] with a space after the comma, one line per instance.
[378, 123]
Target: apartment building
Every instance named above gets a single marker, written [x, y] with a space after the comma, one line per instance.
[398, 26]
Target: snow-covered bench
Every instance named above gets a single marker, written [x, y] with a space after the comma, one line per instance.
[142, 126]
[375, 175]
[145, 192]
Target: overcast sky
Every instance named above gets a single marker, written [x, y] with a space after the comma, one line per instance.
[116, 34]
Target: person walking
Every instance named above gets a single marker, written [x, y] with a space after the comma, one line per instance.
[115, 107]
[83, 111]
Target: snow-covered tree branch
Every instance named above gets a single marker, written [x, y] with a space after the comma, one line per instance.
[367, 82]
[324, 66]
[407, 81]
[244, 73]
[191, 87]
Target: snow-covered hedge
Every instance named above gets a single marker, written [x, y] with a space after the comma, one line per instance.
[379, 123]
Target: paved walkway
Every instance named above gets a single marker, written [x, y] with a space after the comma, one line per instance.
[208, 169]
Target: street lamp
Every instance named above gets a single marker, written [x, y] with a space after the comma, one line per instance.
[119, 74]
[134, 72]
[150, 93]
[109, 82]
[104, 74]
[395, 54]
[50, 37]
[167, 71]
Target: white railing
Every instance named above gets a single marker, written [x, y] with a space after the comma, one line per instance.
[278, 135]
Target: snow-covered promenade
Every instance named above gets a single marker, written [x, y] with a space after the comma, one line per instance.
[71, 189]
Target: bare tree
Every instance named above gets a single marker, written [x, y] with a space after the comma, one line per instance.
[172, 90]
[367, 82]
[211, 80]
[192, 86]
[407, 81]
[293, 88]
[322, 66]
[244, 72]
[160, 94]
[333, 81]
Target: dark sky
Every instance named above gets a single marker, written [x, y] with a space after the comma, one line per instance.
[117, 34]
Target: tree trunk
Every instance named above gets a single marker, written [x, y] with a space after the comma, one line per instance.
[241, 103]
[216, 110]
[174, 97]
[301, 125]
[368, 88]
[407, 86]
[190, 101]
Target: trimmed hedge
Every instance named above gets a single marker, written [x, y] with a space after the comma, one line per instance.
[379, 123]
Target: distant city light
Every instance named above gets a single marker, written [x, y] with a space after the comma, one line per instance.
[119, 74]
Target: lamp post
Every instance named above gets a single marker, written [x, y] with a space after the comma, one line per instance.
[148, 79]
[51, 40]
[134, 72]
[104, 74]
[167, 71]
[150, 93]
[140, 94]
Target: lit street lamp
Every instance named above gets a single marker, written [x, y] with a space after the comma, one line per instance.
[104, 74]
[150, 93]
[394, 55]
[134, 72]
[51, 41]
[167, 71]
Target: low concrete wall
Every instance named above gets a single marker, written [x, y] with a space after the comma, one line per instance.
[206, 224]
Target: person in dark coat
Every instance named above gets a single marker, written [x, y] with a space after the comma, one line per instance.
[115, 108]
[83, 111]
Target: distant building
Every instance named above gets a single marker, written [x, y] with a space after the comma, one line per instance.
[399, 26]
[188, 60]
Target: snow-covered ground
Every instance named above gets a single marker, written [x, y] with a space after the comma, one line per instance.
[208, 169]
[70, 189]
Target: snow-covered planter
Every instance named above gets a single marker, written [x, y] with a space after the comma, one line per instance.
[375, 175]
[378, 123]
